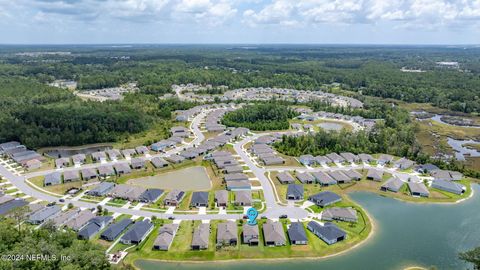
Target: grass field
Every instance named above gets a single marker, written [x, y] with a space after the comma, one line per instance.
[180, 249]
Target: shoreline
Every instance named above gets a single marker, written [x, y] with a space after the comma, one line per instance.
[229, 261]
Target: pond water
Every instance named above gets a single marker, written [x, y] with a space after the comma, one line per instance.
[446, 119]
[407, 234]
[188, 179]
[330, 126]
[461, 150]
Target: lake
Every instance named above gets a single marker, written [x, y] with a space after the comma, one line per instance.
[406, 234]
[461, 150]
[188, 179]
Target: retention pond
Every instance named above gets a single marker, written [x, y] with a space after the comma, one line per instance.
[407, 234]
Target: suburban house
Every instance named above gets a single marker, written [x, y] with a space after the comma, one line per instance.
[403, 164]
[62, 162]
[366, 158]
[349, 157]
[174, 197]
[334, 157]
[274, 234]
[306, 178]
[138, 163]
[353, 174]
[63, 217]
[164, 240]
[285, 178]
[79, 221]
[227, 234]
[114, 154]
[295, 192]
[51, 179]
[101, 190]
[418, 189]
[122, 168]
[307, 160]
[137, 233]
[339, 213]
[89, 173]
[384, 159]
[239, 185]
[221, 198]
[179, 131]
[446, 175]
[127, 153]
[159, 162]
[449, 186]
[150, 195]
[201, 236]
[426, 168]
[70, 176]
[243, 198]
[393, 184]
[329, 233]
[250, 234]
[43, 214]
[268, 161]
[324, 179]
[325, 198]
[99, 156]
[141, 150]
[115, 229]
[375, 175]
[323, 160]
[175, 159]
[235, 177]
[233, 169]
[10, 205]
[340, 177]
[79, 159]
[296, 234]
[106, 170]
[199, 199]
[94, 226]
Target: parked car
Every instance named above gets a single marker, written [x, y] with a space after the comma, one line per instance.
[283, 216]
[61, 200]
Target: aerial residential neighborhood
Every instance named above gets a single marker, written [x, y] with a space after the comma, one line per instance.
[214, 134]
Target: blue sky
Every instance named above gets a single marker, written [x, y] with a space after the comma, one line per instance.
[240, 21]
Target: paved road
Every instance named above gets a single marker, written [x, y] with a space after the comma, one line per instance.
[19, 182]
[194, 127]
[274, 210]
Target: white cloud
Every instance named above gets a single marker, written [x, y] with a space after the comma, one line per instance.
[212, 13]
[420, 13]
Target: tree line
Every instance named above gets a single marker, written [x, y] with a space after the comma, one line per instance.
[268, 116]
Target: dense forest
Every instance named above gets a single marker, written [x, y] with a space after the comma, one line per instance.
[374, 71]
[51, 244]
[39, 115]
[269, 116]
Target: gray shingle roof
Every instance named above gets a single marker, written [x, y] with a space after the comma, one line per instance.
[295, 191]
[273, 233]
[114, 230]
[199, 198]
[296, 232]
[325, 198]
[137, 232]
